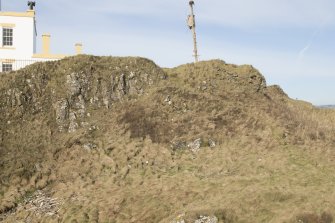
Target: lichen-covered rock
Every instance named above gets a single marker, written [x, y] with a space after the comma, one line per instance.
[211, 143]
[89, 146]
[73, 84]
[207, 219]
[62, 113]
[195, 145]
[73, 122]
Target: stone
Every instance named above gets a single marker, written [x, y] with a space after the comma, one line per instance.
[123, 84]
[73, 123]
[80, 106]
[131, 75]
[73, 84]
[167, 99]
[207, 219]
[211, 143]
[89, 146]
[177, 145]
[62, 112]
[195, 145]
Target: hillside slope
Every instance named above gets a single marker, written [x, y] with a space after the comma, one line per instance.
[106, 139]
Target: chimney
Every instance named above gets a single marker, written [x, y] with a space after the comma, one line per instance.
[79, 48]
[31, 5]
[46, 44]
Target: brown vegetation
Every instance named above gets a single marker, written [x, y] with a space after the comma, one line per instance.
[263, 157]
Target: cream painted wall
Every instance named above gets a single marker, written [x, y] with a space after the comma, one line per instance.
[23, 51]
[24, 38]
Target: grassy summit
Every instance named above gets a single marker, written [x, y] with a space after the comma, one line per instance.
[106, 139]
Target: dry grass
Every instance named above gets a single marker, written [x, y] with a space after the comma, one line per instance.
[273, 161]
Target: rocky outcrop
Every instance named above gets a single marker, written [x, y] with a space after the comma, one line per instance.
[76, 85]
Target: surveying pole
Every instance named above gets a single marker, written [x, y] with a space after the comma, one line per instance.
[191, 25]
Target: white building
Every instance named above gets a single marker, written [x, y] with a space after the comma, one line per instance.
[18, 41]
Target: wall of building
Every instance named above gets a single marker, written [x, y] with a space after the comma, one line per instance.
[24, 37]
[23, 51]
[18, 64]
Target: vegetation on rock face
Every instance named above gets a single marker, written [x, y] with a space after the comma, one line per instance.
[106, 139]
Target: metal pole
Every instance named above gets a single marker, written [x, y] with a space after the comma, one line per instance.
[192, 27]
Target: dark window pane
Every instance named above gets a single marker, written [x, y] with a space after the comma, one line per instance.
[7, 37]
[7, 67]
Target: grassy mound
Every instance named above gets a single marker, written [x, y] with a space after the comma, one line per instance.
[106, 139]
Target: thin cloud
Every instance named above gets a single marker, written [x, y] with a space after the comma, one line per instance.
[304, 50]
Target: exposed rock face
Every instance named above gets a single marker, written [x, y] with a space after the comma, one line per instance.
[71, 95]
[62, 113]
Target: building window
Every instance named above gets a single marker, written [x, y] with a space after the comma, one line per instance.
[7, 37]
[7, 67]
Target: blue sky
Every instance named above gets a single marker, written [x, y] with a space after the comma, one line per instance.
[291, 42]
